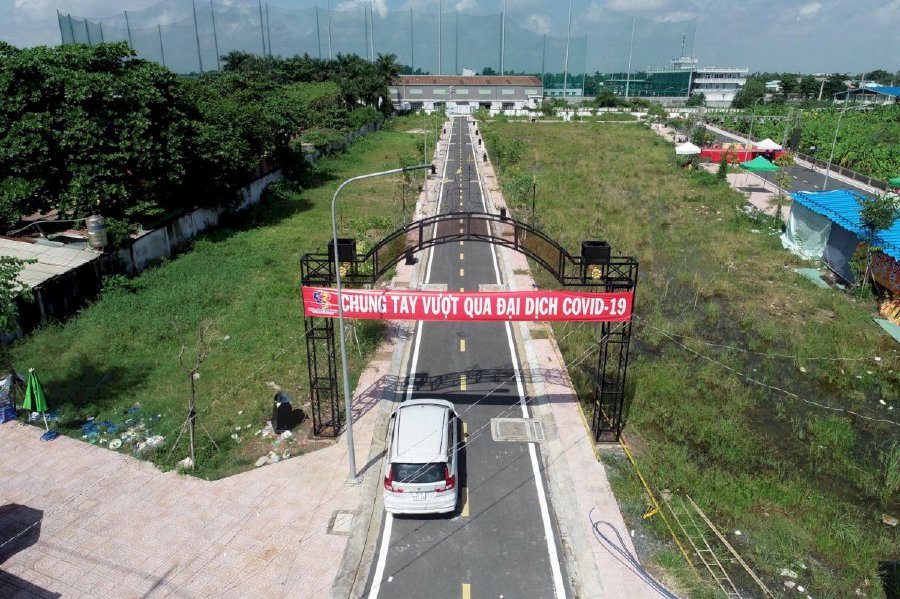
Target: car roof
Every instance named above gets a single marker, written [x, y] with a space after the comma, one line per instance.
[421, 431]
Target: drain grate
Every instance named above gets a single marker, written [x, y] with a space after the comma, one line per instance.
[516, 429]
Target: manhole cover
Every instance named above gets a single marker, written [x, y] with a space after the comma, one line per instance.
[516, 429]
[341, 521]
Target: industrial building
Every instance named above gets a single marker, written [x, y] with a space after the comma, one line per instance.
[465, 94]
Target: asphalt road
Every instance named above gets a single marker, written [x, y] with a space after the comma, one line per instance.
[804, 179]
[496, 544]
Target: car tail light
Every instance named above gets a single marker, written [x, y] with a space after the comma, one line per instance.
[449, 481]
[389, 482]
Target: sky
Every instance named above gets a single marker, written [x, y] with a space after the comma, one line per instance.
[820, 36]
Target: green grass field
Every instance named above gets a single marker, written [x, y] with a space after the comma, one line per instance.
[242, 281]
[730, 349]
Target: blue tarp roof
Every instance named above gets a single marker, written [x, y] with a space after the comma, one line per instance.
[840, 206]
[888, 91]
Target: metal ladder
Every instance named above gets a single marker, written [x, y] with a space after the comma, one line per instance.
[695, 532]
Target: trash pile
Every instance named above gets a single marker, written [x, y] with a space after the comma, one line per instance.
[135, 433]
[281, 445]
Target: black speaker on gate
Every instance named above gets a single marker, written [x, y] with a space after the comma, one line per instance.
[346, 249]
[595, 252]
[795, 139]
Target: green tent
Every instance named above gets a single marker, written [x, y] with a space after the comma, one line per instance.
[36, 400]
[895, 182]
[759, 165]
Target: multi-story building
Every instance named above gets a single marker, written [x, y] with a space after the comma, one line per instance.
[465, 94]
[719, 85]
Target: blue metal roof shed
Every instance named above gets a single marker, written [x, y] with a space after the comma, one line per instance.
[840, 206]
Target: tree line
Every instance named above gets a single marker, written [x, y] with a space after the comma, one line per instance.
[94, 129]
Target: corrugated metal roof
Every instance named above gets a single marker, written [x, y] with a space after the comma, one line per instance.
[471, 80]
[50, 260]
[841, 207]
[886, 90]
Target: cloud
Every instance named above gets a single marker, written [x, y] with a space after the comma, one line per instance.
[637, 5]
[540, 24]
[888, 12]
[809, 10]
[379, 6]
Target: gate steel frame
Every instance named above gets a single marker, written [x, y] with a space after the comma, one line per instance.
[606, 407]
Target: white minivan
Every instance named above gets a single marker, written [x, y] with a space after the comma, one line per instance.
[421, 470]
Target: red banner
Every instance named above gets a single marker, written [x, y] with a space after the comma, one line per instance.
[487, 305]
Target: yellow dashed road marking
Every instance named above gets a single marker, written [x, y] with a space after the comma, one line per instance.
[461, 256]
[466, 591]
[462, 382]
[462, 289]
[462, 345]
[465, 508]
[462, 272]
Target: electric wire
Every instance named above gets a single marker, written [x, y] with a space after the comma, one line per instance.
[767, 385]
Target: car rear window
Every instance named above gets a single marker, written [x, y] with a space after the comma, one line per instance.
[419, 473]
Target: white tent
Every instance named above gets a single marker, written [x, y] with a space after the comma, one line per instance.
[768, 144]
[686, 149]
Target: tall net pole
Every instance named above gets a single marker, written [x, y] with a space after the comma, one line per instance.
[128, 28]
[268, 30]
[502, 36]
[72, 30]
[630, 53]
[440, 36]
[372, 28]
[568, 40]
[543, 58]
[412, 43]
[318, 33]
[212, 13]
[456, 47]
[330, 49]
[87, 31]
[262, 34]
[197, 35]
[162, 52]
[366, 28]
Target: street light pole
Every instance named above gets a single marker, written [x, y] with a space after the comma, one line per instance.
[833, 144]
[752, 116]
[337, 271]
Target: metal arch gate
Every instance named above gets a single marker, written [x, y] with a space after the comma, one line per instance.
[609, 274]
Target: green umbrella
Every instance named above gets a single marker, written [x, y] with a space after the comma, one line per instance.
[759, 165]
[36, 401]
[895, 182]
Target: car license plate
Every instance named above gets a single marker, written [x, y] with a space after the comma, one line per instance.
[418, 496]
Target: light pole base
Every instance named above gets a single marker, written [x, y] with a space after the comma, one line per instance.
[353, 481]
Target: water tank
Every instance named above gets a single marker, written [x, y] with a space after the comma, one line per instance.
[96, 228]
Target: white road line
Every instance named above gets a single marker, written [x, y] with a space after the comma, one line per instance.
[558, 586]
[438, 211]
[382, 555]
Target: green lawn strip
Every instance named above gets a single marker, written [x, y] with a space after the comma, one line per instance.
[784, 472]
[242, 280]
